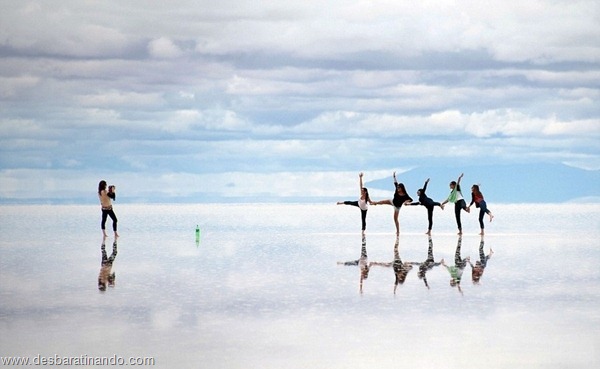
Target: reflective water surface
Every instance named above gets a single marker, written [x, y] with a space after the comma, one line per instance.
[299, 286]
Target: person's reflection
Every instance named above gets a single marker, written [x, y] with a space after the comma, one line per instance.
[478, 268]
[428, 264]
[457, 270]
[401, 269]
[362, 263]
[107, 276]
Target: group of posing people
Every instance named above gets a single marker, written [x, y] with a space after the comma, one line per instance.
[401, 197]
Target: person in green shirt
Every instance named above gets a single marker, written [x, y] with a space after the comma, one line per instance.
[457, 199]
[456, 271]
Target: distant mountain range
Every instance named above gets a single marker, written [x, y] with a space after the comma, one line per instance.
[539, 183]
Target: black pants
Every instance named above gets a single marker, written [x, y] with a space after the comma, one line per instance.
[109, 213]
[458, 206]
[363, 213]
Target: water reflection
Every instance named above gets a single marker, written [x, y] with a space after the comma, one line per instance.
[107, 277]
[362, 263]
[400, 268]
[428, 264]
[456, 271]
[479, 267]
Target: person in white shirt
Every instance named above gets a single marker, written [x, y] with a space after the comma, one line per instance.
[363, 202]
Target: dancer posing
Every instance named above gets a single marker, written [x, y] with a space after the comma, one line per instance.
[478, 268]
[427, 265]
[456, 197]
[106, 198]
[428, 203]
[456, 271]
[400, 268]
[477, 198]
[362, 203]
[400, 198]
[362, 263]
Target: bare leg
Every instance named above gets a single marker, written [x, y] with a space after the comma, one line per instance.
[396, 222]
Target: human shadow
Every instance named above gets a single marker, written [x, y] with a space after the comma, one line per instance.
[480, 265]
[361, 262]
[107, 277]
[456, 271]
[401, 269]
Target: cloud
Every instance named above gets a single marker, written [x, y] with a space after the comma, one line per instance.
[163, 47]
[204, 88]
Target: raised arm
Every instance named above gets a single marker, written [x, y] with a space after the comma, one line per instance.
[425, 185]
[395, 181]
[360, 181]
[458, 180]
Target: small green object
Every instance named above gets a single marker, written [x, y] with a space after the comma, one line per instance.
[197, 234]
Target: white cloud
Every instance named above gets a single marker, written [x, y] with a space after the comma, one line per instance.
[163, 47]
[294, 87]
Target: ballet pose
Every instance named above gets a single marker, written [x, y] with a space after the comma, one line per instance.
[400, 198]
[428, 264]
[362, 203]
[456, 197]
[477, 198]
[362, 263]
[456, 271]
[400, 268]
[428, 203]
[478, 268]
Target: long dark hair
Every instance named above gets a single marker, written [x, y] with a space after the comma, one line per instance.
[367, 198]
[401, 186]
[101, 186]
[457, 186]
[476, 189]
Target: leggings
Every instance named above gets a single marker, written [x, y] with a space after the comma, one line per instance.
[109, 213]
[482, 211]
[482, 258]
[363, 213]
[458, 206]
[430, 213]
[458, 260]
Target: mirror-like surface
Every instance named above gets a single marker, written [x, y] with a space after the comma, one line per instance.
[298, 286]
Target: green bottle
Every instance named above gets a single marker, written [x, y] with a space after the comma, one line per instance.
[197, 234]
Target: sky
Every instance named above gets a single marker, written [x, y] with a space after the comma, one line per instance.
[231, 99]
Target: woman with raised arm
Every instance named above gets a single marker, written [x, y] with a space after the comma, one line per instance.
[400, 198]
[456, 197]
[477, 198]
[363, 202]
[428, 203]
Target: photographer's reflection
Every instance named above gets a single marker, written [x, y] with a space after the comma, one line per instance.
[457, 270]
[107, 276]
[479, 267]
[401, 269]
[362, 263]
[428, 264]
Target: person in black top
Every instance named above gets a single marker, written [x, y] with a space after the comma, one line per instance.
[427, 203]
[400, 198]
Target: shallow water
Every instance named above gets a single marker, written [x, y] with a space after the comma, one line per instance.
[263, 287]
